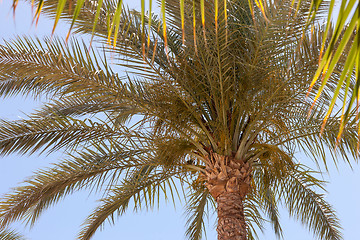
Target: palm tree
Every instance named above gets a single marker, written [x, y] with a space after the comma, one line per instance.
[221, 115]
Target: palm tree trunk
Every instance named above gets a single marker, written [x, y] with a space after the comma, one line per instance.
[229, 181]
[231, 219]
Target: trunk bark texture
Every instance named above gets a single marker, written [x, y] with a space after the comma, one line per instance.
[231, 219]
[228, 181]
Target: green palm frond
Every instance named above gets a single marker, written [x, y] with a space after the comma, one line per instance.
[346, 27]
[307, 135]
[75, 106]
[53, 133]
[272, 210]
[310, 207]
[197, 210]
[306, 128]
[60, 71]
[7, 234]
[91, 168]
[33, 67]
[253, 216]
[297, 189]
[141, 188]
[266, 195]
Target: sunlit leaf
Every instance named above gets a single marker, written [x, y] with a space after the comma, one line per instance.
[79, 5]
[59, 10]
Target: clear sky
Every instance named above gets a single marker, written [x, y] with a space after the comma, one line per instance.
[63, 221]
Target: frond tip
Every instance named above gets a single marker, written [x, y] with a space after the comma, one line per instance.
[6, 234]
[310, 207]
[197, 211]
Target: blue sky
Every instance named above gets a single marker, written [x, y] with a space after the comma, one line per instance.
[63, 221]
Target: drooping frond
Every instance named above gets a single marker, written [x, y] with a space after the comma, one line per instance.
[270, 206]
[51, 133]
[197, 212]
[7, 234]
[32, 67]
[310, 207]
[296, 187]
[141, 188]
[89, 169]
[346, 35]
[253, 216]
[296, 125]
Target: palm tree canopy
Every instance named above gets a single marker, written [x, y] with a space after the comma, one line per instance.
[347, 24]
[234, 89]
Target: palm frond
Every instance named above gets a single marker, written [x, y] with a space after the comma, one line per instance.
[6, 234]
[79, 106]
[309, 207]
[95, 167]
[270, 206]
[253, 216]
[196, 211]
[347, 26]
[137, 188]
